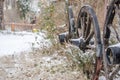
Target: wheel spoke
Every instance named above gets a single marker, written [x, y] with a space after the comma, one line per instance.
[88, 27]
[89, 37]
[84, 26]
[117, 35]
[117, 11]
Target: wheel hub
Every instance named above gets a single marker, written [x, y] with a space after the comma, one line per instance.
[82, 45]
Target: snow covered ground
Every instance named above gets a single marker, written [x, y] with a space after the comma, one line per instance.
[34, 65]
[18, 42]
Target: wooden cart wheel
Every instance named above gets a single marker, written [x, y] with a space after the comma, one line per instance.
[88, 30]
[111, 37]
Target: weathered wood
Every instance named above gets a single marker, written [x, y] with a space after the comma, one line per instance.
[1, 13]
[14, 25]
[19, 24]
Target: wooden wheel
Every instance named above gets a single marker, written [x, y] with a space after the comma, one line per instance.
[111, 41]
[89, 32]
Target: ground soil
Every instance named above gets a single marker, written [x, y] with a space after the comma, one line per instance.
[38, 66]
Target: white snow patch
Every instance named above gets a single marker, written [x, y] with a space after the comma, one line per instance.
[115, 45]
[102, 78]
[17, 42]
[117, 79]
[50, 61]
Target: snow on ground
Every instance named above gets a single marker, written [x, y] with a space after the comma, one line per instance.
[17, 42]
[35, 65]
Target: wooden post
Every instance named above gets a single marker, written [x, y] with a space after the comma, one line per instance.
[1, 13]
[12, 27]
